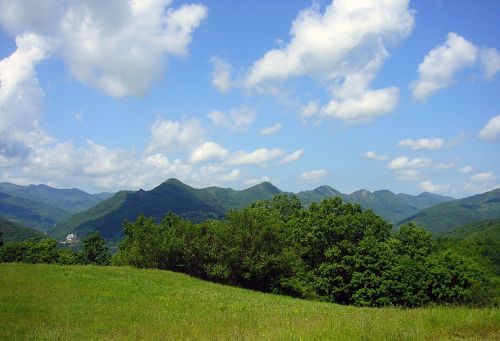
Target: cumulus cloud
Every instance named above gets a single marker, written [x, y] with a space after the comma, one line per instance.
[266, 131]
[208, 151]
[374, 156]
[310, 109]
[345, 46]
[481, 182]
[292, 157]
[491, 131]
[466, 169]
[430, 187]
[445, 165]
[257, 157]
[403, 162]
[221, 74]
[490, 62]
[255, 181]
[119, 47]
[237, 120]
[426, 143]
[167, 135]
[314, 175]
[483, 177]
[21, 98]
[440, 65]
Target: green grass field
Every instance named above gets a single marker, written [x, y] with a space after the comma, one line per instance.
[51, 302]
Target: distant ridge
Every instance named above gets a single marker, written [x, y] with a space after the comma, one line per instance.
[446, 216]
[213, 203]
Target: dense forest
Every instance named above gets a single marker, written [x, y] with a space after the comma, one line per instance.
[330, 251]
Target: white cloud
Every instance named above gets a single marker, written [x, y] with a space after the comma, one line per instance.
[403, 162]
[167, 135]
[483, 177]
[426, 143]
[430, 187]
[442, 63]
[237, 120]
[292, 157]
[21, 98]
[221, 74]
[266, 131]
[255, 181]
[314, 175]
[372, 155]
[408, 174]
[466, 169]
[232, 176]
[311, 109]
[345, 46]
[119, 47]
[491, 131]
[257, 157]
[490, 62]
[78, 116]
[445, 165]
[208, 151]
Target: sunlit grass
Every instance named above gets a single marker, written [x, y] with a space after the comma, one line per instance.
[120, 303]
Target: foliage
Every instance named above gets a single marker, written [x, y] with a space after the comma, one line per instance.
[331, 251]
[94, 250]
[14, 232]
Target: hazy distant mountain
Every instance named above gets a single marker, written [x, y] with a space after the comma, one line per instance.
[13, 232]
[170, 196]
[444, 217]
[212, 203]
[72, 200]
[390, 206]
[41, 206]
[31, 213]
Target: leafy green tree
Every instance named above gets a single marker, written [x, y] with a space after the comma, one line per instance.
[1, 239]
[94, 250]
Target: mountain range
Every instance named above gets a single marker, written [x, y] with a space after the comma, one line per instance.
[213, 202]
[41, 206]
[59, 211]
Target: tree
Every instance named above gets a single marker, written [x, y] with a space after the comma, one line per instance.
[94, 250]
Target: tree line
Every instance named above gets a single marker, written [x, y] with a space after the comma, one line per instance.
[331, 251]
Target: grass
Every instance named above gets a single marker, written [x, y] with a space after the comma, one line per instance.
[51, 302]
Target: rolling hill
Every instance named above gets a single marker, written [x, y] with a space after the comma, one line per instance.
[446, 216]
[123, 303]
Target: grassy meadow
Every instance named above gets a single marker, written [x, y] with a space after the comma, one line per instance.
[51, 302]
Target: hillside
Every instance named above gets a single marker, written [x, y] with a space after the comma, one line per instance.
[31, 213]
[13, 232]
[480, 241]
[109, 303]
[72, 200]
[444, 217]
[170, 196]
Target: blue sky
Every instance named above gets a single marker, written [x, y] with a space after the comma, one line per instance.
[385, 94]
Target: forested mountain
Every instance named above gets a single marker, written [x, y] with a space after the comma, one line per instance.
[213, 203]
[13, 232]
[390, 206]
[170, 196]
[72, 200]
[444, 217]
[31, 213]
[41, 206]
